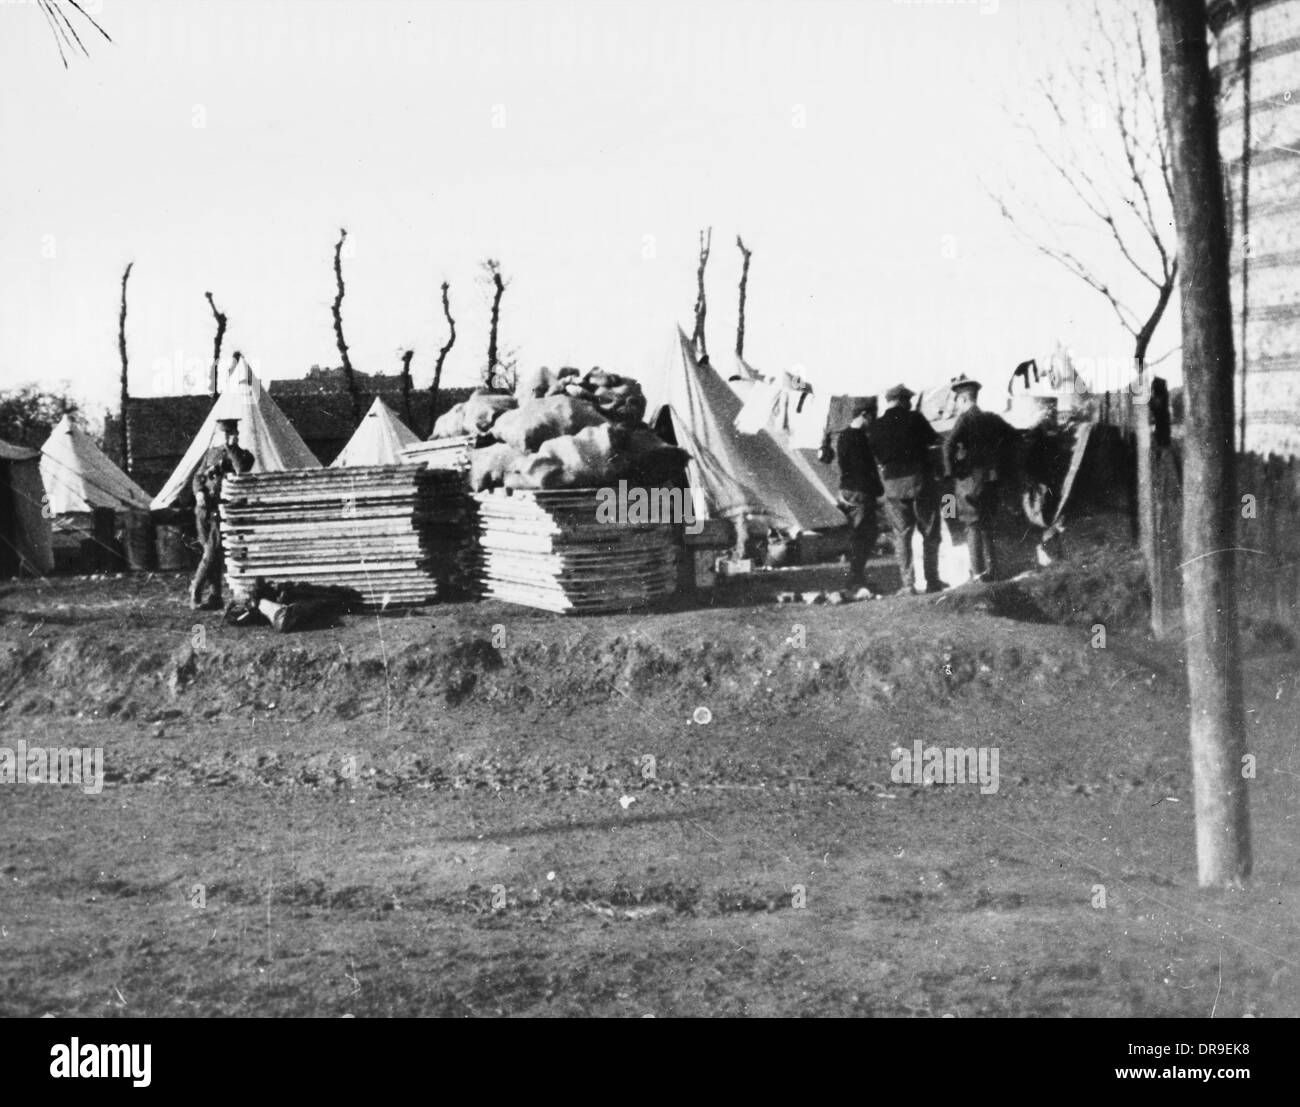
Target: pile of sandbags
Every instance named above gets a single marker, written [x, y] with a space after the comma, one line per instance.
[618, 398]
[475, 416]
[560, 430]
[596, 456]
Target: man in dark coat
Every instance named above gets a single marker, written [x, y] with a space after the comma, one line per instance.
[860, 487]
[977, 454]
[902, 441]
[206, 485]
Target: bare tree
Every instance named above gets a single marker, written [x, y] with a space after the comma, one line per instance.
[1214, 679]
[701, 303]
[499, 372]
[348, 374]
[442, 357]
[123, 438]
[744, 286]
[1101, 134]
[62, 29]
[406, 384]
[216, 344]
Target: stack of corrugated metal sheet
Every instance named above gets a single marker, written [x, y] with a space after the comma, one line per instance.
[546, 549]
[442, 453]
[372, 535]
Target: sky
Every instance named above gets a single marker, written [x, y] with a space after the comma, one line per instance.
[220, 146]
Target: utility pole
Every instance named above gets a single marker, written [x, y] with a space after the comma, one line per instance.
[1223, 853]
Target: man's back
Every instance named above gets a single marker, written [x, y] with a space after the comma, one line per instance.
[857, 464]
[901, 441]
[979, 440]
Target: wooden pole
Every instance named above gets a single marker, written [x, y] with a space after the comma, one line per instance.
[1209, 505]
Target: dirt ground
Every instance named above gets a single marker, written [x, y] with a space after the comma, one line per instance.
[483, 810]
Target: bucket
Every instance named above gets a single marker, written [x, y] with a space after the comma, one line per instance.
[139, 540]
[172, 554]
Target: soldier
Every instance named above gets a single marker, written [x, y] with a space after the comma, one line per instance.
[216, 463]
[976, 454]
[859, 489]
[901, 440]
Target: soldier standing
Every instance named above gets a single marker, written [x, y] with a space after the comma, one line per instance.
[902, 440]
[976, 454]
[217, 462]
[859, 489]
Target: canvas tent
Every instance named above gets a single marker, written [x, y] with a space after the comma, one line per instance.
[263, 430]
[79, 477]
[378, 440]
[733, 474]
[24, 528]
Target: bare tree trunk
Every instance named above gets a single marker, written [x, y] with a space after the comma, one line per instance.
[213, 388]
[701, 303]
[498, 290]
[406, 385]
[1209, 512]
[744, 286]
[124, 442]
[338, 329]
[442, 357]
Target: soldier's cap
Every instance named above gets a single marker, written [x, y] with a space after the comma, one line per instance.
[964, 383]
[898, 392]
[228, 426]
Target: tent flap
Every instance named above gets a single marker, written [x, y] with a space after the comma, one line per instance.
[738, 474]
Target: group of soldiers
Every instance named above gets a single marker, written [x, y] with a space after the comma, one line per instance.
[900, 459]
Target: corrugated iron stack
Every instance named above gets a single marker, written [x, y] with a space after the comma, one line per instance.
[442, 453]
[373, 536]
[546, 549]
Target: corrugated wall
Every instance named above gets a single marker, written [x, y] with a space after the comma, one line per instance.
[1266, 228]
[1261, 99]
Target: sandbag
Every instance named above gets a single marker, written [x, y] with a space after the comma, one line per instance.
[488, 466]
[535, 472]
[531, 424]
[450, 424]
[533, 384]
[483, 408]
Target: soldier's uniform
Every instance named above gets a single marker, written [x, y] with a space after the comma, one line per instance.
[976, 454]
[901, 440]
[206, 485]
[860, 487]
